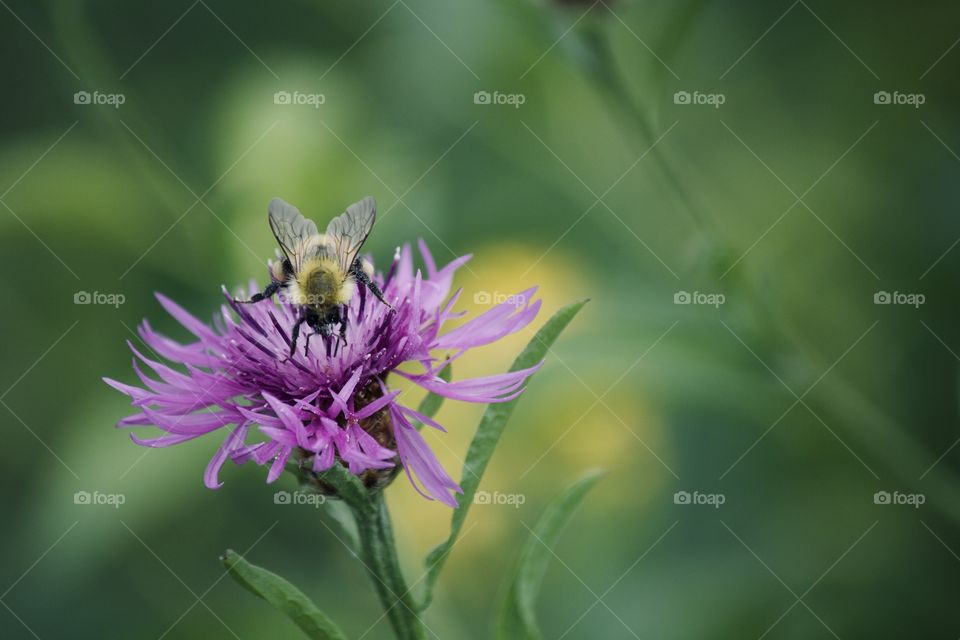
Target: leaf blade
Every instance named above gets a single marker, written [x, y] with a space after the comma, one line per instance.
[486, 438]
[283, 596]
[517, 616]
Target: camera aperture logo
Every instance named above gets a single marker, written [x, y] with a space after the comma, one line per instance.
[112, 299]
[512, 99]
[900, 298]
[699, 297]
[510, 499]
[299, 98]
[897, 498]
[99, 499]
[699, 98]
[697, 498]
[299, 498]
[498, 297]
[97, 98]
[899, 98]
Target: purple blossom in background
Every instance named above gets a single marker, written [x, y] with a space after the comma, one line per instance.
[334, 403]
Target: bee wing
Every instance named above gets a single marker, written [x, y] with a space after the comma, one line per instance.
[347, 232]
[294, 233]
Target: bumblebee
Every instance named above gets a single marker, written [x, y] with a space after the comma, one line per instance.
[320, 272]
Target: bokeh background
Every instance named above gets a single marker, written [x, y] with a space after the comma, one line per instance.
[798, 199]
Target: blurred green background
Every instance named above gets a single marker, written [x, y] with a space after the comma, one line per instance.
[798, 199]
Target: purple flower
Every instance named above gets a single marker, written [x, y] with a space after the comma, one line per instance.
[333, 404]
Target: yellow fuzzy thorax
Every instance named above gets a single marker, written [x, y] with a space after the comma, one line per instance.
[321, 283]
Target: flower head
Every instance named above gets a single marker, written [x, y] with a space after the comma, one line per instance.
[333, 403]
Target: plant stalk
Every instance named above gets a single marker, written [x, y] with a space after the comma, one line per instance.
[379, 553]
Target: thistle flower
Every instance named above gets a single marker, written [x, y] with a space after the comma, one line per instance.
[332, 404]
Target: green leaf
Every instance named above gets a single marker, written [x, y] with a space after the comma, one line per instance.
[517, 617]
[432, 402]
[485, 441]
[283, 596]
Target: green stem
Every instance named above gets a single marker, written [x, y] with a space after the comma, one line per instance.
[379, 552]
[898, 450]
[602, 69]
[879, 434]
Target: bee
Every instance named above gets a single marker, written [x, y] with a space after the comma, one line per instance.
[320, 272]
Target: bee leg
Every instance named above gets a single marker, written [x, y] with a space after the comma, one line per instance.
[337, 314]
[342, 316]
[296, 334]
[362, 292]
[306, 344]
[269, 292]
[325, 329]
[357, 272]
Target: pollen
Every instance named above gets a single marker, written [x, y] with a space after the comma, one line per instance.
[276, 270]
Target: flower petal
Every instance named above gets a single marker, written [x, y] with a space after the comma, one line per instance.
[418, 459]
[416, 415]
[496, 388]
[230, 443]
[376, 405]
[290, 419]
[279, 464]
[192, 324]
[509, 316]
